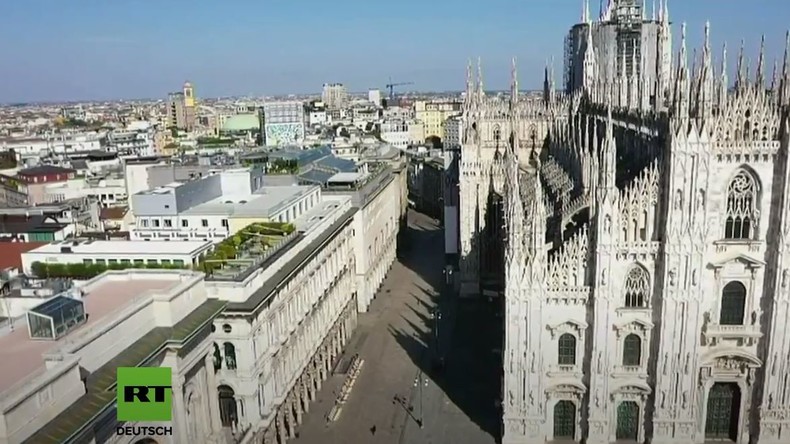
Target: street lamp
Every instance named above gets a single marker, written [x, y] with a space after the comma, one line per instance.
[420, 421]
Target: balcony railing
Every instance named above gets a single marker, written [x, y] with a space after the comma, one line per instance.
[749, 334]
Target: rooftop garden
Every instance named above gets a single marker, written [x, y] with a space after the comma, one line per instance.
[88, 271]
[247, 248]
[223, 141]
[283, 166]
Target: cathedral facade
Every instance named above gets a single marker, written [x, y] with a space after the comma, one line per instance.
[639, 230]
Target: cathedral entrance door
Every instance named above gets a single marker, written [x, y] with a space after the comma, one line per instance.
[564, 420]
[628, 420]
[724, 403]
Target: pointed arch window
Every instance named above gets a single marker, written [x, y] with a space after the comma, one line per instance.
[741, 207]
[632, 350]
[733, 304]
[637, 287]
[566, 349]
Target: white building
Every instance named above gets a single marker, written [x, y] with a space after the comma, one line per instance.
[645, 260]
[216, 206]
[375, 97]
[402, 133]
[112, 253]
[138, 142]
[453, 129]
[57, 373]
[35, 147]
[290, 317]
[107, 191]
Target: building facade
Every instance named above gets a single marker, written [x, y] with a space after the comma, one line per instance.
[284, 123]
[334, 96]
[286, 321]
[642, 300]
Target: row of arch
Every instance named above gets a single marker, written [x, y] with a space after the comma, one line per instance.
[722, 416]
[733, 296]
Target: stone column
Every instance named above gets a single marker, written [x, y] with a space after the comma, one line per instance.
[282, 431]
[305, 394]
[297, 405]
[179, 410]
[290, 420]
[215, 421]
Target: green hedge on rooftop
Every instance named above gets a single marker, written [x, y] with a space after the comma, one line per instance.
[87, 271]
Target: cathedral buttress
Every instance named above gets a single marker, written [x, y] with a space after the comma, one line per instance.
[606, 221]
[775, 425]
[681, 267]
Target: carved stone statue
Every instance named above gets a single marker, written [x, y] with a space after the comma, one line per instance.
[666, 364]
[678, 199]
[785, 274]
[672, 274]
[685, 398]
[607, 224]
[663, 399]
[701, 199]
[687, 368]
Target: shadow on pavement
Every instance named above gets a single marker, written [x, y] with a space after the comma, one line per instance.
[463, 359]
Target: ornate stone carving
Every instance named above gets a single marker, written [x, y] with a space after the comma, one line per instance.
[729, 364]
[515, 426]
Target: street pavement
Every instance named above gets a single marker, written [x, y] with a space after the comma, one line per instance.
[398, 340]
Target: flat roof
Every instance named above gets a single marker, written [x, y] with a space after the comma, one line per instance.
[347, 177]
[263, 295]
[130, 247]
[23, 356]
[265, 202]
[99, 394]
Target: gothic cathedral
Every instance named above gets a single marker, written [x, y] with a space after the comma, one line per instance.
[638, 225]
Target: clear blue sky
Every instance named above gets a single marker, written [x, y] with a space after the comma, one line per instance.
[97, 49]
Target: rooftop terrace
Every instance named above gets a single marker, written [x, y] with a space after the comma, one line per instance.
[261, 244]
[100, 385]
[23, 356]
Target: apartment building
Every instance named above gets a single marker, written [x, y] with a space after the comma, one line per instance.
[433, 114]
[334, 96]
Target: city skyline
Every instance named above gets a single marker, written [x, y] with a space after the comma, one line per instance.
[97, 51]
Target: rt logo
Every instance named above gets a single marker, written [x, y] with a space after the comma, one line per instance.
[144, 394]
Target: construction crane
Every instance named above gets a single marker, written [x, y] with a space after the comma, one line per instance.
[391, 86]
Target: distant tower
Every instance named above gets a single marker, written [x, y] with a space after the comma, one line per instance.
[189, 106]
[189, 95]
